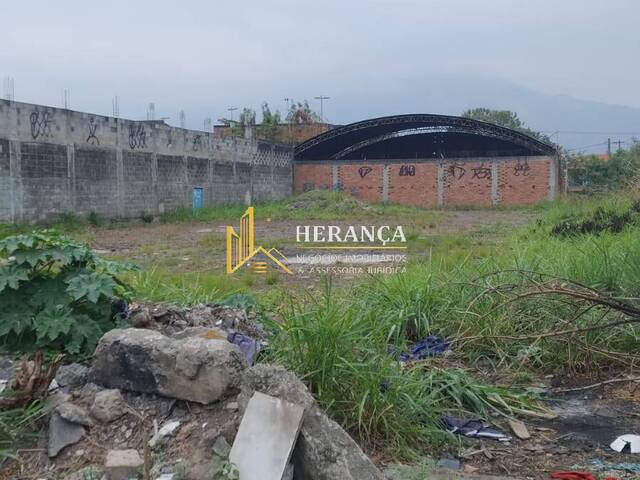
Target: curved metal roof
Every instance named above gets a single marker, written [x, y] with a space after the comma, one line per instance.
[385, 137]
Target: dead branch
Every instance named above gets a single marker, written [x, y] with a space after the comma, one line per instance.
[32, 382]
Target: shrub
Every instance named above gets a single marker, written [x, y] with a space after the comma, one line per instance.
[56, 293]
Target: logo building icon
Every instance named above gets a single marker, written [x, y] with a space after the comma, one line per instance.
[241, 250]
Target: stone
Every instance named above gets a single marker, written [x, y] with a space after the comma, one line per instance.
[108, 405]
[232, 406]
[122, 464]
[194, 368]
[449, 463]
[62, 433]
[208, 333]
[74, 414]
[519, 429]
[221, 447]
[72, 376]
[167, 430]
[324, 451]
[141, 318]
[266, 437]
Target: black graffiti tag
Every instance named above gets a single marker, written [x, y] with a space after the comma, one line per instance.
[364, 171]
[137, 137]
[522, 167]
[92, 138]
[40, 124]
[407, 171]
[197, 143]
[456, 170]
[481, 172]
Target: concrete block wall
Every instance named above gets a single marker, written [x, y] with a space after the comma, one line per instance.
[54, 161]
[432, 183]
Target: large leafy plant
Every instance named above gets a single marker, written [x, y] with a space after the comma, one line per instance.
[56, 293]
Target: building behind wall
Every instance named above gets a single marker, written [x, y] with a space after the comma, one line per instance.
[54, 161]
[429, 161]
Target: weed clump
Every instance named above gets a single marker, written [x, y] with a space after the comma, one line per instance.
[601, 220]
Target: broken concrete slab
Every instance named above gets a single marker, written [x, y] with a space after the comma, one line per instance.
[197, 369]
[62, 433]
[122, 464]
[324, 451]
[266, 437]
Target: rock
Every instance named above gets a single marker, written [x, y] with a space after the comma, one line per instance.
[221, 447]
[92, 472]
[196, 369]
[233, 406]
[122, 464]
[108, 405]
[324, 451]
[74, 414]
[167, 430]
[449, 463]
[519, 429]
[72, 376]
[62, 433]
[141, 318]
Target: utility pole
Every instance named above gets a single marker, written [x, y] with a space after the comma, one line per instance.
[151, 112]
[231, 110]
[608, 147]
[115, 103]
[322, 98]
[8, 88]
[289, 106]
[183, 118]
[66, 99]
[619, 142]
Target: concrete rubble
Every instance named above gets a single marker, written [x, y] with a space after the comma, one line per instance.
[324, 451]
[122, 464]
[266, 437]
[197, 369]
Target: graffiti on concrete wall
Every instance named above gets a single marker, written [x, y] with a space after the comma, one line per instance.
[407, 171]
[41, 122]
[522, 168]
[364, 171]
[196, 144]
[137, 136]
[92, 139]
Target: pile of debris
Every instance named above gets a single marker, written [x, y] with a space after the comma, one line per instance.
[179, 399]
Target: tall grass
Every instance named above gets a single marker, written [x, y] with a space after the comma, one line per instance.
[15, 426]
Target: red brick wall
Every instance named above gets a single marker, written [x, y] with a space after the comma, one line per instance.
[362, 181]
[317, 175]
[467, 184]
[523, 182]
[414, 184]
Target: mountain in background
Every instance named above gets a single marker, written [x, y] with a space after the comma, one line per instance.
[580, 123]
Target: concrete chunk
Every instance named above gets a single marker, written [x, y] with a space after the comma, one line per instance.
[194, 368]
[122, 464]
[266, 437]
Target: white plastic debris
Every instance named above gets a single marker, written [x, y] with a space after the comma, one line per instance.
[166, 431]
[622, 441]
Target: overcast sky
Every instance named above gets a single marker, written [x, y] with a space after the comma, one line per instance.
[204, 56]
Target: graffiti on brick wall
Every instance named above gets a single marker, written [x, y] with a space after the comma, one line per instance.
[364, 171]
[522, 168]
[407, 171]
[92, 139]
[40, 124]
[137, 136]
[481, 172]
[456, 170]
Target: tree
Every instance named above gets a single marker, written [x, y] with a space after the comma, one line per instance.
[504, 118]
[269, 127]
[301, 113]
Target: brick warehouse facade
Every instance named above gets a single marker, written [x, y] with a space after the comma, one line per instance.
[432, 183]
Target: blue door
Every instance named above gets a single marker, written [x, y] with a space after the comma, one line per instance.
[197, 197]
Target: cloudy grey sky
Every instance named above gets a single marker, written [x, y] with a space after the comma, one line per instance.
[370, 56]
